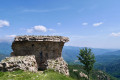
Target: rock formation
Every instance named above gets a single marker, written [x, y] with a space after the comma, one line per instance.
[19, 62]
[47, 51]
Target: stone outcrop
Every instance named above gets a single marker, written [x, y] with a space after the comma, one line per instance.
[58, 65]
[83, 75]
[19, 62]
[46, 49]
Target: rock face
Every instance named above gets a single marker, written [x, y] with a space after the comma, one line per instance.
[46, 49]
[19, 62]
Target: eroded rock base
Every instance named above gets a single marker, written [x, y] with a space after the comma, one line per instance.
[19, 62]
[29, 63]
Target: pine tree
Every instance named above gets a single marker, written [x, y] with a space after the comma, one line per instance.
[87, 58]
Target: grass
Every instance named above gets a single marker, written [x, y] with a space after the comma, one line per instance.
[21, 75]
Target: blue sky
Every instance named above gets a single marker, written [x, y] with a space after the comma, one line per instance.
[88, 23]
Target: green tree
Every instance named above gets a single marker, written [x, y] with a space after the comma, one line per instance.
[87, 58]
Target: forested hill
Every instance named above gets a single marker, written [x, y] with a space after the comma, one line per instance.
[109, 62]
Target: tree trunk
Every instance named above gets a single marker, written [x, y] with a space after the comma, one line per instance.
[88, 76]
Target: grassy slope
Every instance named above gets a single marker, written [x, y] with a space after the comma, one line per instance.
[21, 75]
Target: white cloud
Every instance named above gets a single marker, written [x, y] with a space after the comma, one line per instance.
[85, 24]
[40, 28]
[115, 34]
[51, 30]
[97, 24]
[11, 36]
[29, 30]
[58, 23]
[7, 38]
[4, 23]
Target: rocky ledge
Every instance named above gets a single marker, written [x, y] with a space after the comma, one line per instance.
[42, 38]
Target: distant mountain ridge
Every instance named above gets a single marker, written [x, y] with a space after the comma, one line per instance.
[70, 53]
[5, 48]
[113, 53]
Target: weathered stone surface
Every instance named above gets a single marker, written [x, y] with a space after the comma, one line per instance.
[19, 62]
[43, 47]
[42, 38]
[58, 65]
[42, 50]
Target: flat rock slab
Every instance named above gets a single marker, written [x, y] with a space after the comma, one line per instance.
[42, 38]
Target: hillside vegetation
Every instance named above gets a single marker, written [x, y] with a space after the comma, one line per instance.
[95, 74]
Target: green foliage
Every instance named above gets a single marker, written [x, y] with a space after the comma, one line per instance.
[109, 63]
[112, 67]
[76, 74]
[93, 76]
[87, 58]
[21, 75]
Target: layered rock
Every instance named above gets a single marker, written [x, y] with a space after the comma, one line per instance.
[42, 38]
